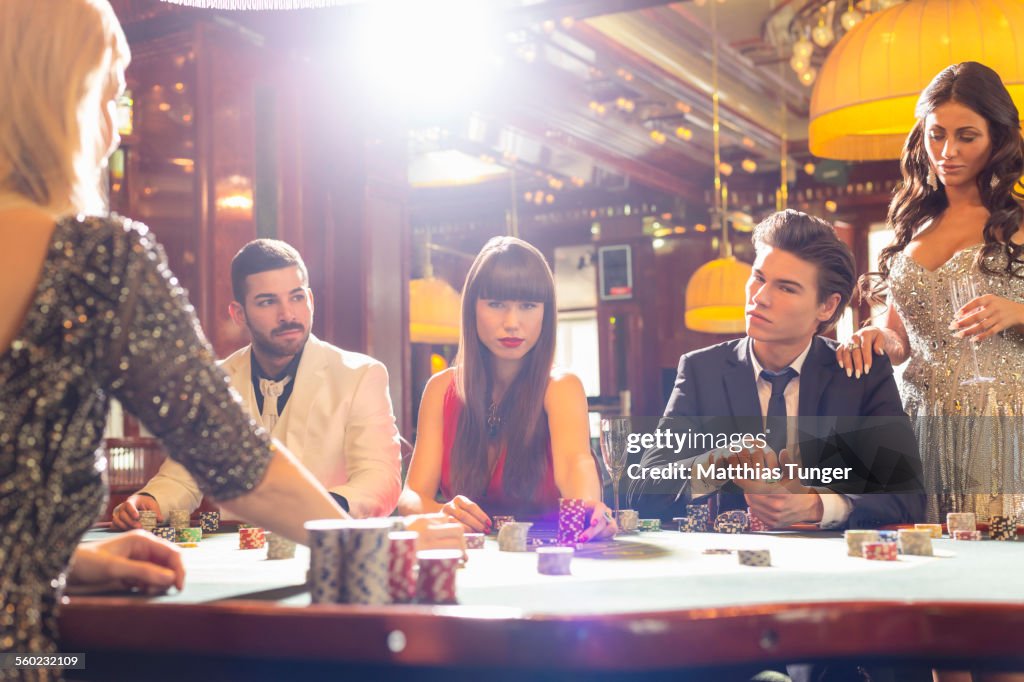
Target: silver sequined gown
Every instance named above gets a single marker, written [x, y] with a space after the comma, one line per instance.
[108, 320]
[971, 436]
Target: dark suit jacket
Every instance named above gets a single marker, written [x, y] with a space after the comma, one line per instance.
[843, 422]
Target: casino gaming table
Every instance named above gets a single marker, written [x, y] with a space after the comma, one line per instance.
[644, 606]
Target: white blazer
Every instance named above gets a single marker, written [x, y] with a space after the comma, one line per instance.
[338, 422]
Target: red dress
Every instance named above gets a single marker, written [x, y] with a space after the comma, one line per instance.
[495, 501]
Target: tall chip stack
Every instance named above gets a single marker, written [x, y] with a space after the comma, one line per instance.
[179, 518]
[209, 521]
[960, 521]
[701, 515]
[402, 566]
[365, 551]
[325, 560]
[572, 516]
[436, 581]
[147, 519]
[1000, 528]
[734, 521]
[856, 538]
[512, 536]
[916, 541]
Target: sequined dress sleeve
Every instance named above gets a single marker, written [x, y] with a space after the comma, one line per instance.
[108, 318]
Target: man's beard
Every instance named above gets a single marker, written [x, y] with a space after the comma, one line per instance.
[279, 348]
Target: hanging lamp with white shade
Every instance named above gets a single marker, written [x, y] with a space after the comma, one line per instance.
[716, 292]
[862, 105]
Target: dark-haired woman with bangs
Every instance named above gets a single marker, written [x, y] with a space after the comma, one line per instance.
[958, 214]
[501, 432]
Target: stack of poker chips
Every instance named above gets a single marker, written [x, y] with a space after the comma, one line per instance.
[1000, 528]
[554, 560]
[475, 540]
[855, 540]
[880, 551]
[756, 524]
[209, 521]
[436, 581]
[628, 520]
[701, 515]
[365, 551]
[963, 534]
[916, 541]
[960, 521]
[649, 525]
[500, 521]
[279, 547]
[934, 528]
[325, 560]
[754, 557]
[889, 536]
[512, 536]
[572, 517]
[734, 521]
[179, 518]
[402, 566]
[147, 519]
[251, 538]
[165, 533]
[189, 535]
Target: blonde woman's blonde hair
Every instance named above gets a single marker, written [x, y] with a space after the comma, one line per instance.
[58, 58]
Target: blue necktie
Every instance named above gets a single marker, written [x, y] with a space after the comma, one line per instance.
[776, 421]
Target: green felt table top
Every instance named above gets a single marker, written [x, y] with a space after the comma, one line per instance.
[655, 571]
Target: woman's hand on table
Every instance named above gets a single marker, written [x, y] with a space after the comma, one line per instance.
[468, 513]
[602, 523]
[135, 560]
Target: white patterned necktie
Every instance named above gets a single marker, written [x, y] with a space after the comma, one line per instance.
[271, 391]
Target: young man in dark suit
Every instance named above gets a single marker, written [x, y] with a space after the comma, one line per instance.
[781, 386]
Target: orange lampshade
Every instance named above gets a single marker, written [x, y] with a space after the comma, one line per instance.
[435, 311]
[716, 296]
[862, 105]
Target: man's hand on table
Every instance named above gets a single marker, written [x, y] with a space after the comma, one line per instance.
[780, 502]
[126, 514]
[135, 560]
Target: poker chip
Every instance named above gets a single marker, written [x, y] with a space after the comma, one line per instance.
[365, 550]
[165, 533]
[512, 536]
[179, 518]
[691, 525]
[855, 540]
[880, 551]
[701, 515]
[960, 521]
[189, 534]
[756, 525]
[754, 557]
[279, 547]
[147, 519]
[436, 581]
[325, 560]
[402, 566]
[966, 535]
[649, 525]
[209, 521]
[734, 521]
[475, 540]
[572, 518]
[187, 545]
[554, 560]
[628, 520]
[999, 528]
[500, 521]
[916, 541]
[934, 528]
[718, 550]
[251, 538]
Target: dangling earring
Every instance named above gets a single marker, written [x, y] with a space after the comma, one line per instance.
[931, 180]
[994, 181]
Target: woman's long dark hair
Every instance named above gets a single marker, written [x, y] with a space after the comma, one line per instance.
[506, 269]
[979, 88]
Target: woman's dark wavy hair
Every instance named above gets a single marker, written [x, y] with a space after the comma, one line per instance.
[506, 269]
[979, 88]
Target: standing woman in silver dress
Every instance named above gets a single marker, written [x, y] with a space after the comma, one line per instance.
[91, 312]
[957, 214]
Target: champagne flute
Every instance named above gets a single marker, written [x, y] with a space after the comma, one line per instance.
[961, 292]
[614, 434]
